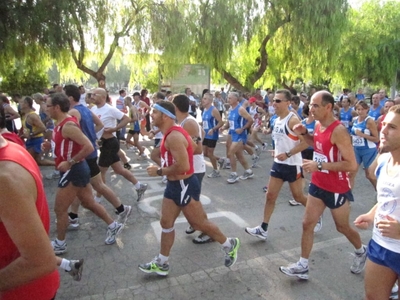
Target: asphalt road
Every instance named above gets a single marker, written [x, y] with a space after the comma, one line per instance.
[198, 271]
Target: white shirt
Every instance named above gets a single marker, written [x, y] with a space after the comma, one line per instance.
[82, 100]
[108, 115]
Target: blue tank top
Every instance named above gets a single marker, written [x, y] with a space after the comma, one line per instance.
[87, 126]
[375, 113]
[235, 120]
[209, 122]
[359, 142]
[310, 128]
[346, 117]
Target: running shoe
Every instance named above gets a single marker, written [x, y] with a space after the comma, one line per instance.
[395, 292]
[214, 174]
[221, 162]
[258, 150]
[227, 165]
[293, 202]
[155, 267]
[73, 223]
[127, 166]
[203, 239]
[318, 226]
[59, 248]
[122, 217]
[359, 262]
[264, 147]
[257, 232]
[190, 230]
[112, 233]
[140, 191]
[233, 178]
[231, 254]
[295, 270]
[255, 159]
[247, 175]
[76, 269]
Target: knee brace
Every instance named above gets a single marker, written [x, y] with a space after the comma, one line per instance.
[168, 230]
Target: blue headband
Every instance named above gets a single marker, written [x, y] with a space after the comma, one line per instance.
[164, 111]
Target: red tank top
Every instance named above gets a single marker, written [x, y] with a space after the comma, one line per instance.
[12, 137]
[45, 287]
[64, 148]
[325, 151]
[166, 156]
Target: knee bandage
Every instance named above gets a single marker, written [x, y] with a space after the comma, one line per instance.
[168, 230]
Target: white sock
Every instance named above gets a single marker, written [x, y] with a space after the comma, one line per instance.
[360, 251]
[137, 185]
[228, 160]
[304, 262]
[234, 173]
[60, 242]
[249, 171]
[254, 155]
[112, 225]
[227, 244]
[163, 259]
[65, 265]
[97, 199]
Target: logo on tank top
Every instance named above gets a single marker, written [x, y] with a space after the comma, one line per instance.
[318, 145]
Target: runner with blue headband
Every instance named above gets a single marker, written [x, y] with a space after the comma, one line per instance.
[164, 111]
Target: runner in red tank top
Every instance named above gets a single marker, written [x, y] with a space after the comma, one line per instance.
[71, 148]
[182, 192]
[333, 158]
[27, 262]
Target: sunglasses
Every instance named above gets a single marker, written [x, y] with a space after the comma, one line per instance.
[277, 100]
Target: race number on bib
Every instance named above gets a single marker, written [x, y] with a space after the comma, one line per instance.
[205, 125]
[231, 125]
[358, 141]
[318, 157]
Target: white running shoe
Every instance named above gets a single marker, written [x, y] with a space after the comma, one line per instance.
[295, 270]
[233, 178]
[293, 202]
[257, 232]
[318, 226]
[112, 233]
[359, 262]
[214, 174]
[247, 175]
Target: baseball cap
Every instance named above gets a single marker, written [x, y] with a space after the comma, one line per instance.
[252, 100]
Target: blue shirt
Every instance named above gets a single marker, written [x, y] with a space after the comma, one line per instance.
[346, 117]
[375, 113]
[87, 127]
[209, 122]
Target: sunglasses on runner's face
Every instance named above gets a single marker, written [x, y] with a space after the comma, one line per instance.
[277, 100]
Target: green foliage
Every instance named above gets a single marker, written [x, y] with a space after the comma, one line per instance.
[23, 81]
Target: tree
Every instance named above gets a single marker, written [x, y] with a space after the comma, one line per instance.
[370, 47]
[247, 41]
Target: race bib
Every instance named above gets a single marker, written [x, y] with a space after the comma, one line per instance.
[358, 141]
[346, 124]
[319, 157]
[231, 125]
[205, 125]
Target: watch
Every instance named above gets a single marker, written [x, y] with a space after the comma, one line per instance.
[288, 154]
[159, 171]
[72, 161]
[319, 166]
[196, 139]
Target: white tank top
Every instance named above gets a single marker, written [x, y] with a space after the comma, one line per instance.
[285, 140]
[199, 164]
[388, 190]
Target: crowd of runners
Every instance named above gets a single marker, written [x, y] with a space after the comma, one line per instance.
[82, 134]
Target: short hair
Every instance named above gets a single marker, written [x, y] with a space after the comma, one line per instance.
[168, 93]
[205, 91]
[136, 94]
[363, 104]
[121, 92]
[327, 98]
[160, 96]
[29, 100]
[38, 96]
[168, 106]
[55, 85]
[286, 93]
[186, 89]
[61, 100]
[143, 92]
[72, 91]
[395, 109]
[4, 99]
[306, 110]
[235, 94]
[181, 102]
[2, 117]
[296, 100]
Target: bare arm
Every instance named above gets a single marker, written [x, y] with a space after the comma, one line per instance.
[341, 138]
[243, 112]
[98, 124]
[217, 116]
[301, 130]
[74, 133]
[303, 143]
[19, 216]
[35, 121]
[192, 128]
[176, 144]
[13, 114]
